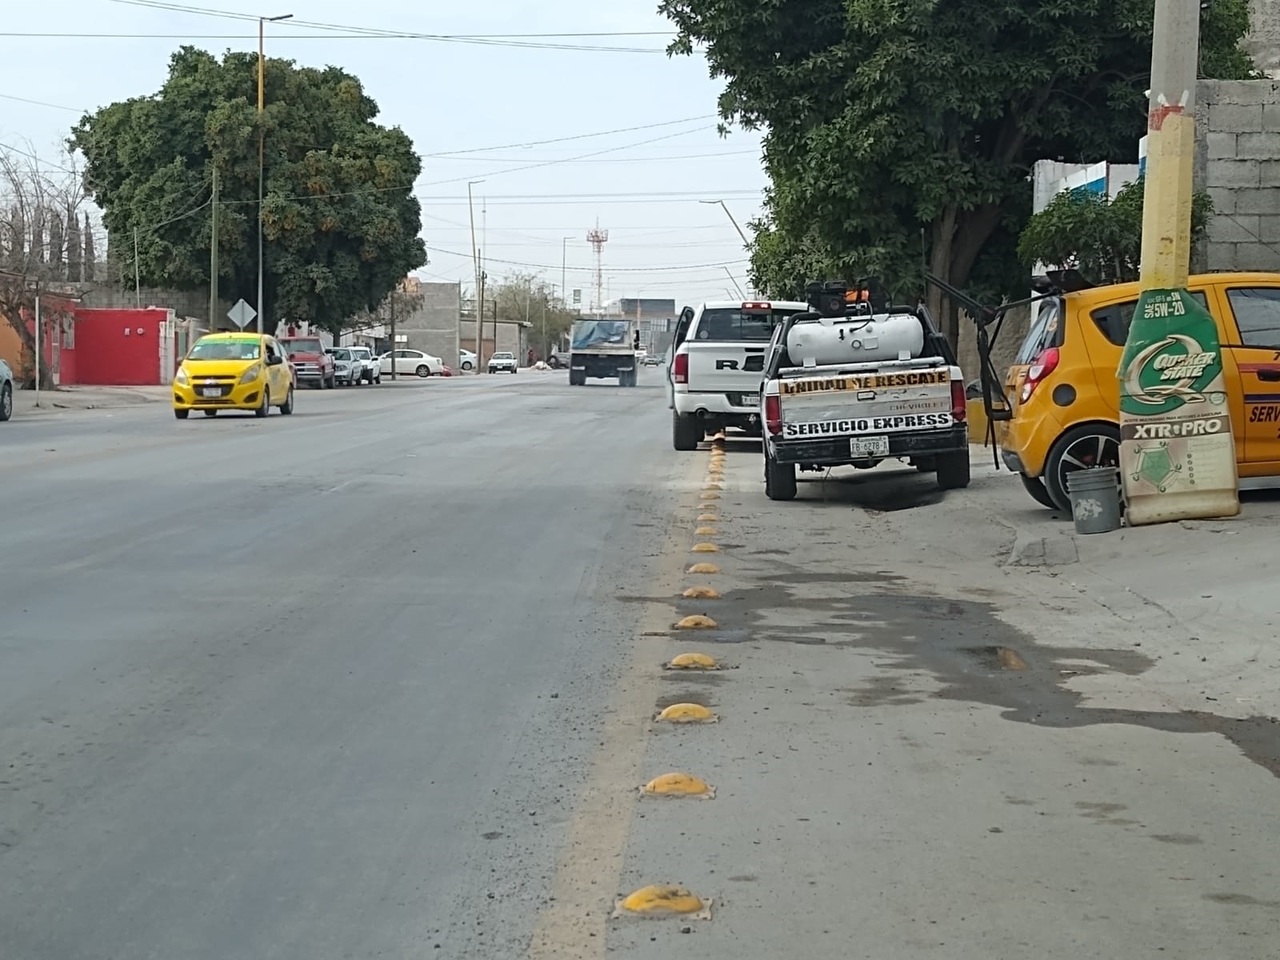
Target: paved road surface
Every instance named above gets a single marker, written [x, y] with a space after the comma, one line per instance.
[380, 677]
[295, 688]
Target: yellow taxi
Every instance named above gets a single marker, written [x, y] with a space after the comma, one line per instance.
[233, 371]
[1065, 396]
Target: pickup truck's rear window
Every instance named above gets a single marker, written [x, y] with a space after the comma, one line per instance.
[733, 326]
[294, 347]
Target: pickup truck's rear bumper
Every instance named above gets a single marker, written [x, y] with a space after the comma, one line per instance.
[834, 451]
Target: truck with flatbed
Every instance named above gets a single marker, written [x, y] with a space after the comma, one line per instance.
[603, 349]
[854, 381]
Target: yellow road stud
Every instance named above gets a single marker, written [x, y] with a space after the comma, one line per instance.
[696, 621]
[679, 785]
[686, 713]
[693, 661]
[663, 900]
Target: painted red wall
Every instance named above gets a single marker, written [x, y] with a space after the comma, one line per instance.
[117, 347]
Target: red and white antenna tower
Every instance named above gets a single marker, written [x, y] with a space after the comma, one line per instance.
[598, 238]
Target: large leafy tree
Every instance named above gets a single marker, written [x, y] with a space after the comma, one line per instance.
[340, 219]
[899, 134]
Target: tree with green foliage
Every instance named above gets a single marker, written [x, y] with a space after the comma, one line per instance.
[1100, 237]
[526, 296]
[340, 219]
[899, 135]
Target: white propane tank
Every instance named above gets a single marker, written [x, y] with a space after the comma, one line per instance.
[855, 339]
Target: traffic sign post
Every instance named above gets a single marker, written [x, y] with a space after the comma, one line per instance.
[241, 314]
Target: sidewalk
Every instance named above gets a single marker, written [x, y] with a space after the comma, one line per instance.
[85, 398]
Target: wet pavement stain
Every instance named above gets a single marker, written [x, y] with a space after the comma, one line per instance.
[1241, 900]
[707, 678]
[952, 641]
[1179, 839]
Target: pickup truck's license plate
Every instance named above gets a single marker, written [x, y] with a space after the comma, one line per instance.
[211, 392]
[750, 400]
[869, 446]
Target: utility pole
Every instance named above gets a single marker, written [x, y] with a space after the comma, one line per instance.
[213, 251]
[480, 320]
[391, 306]
[262, 76]
[137, 276]
[728, 213]
[1171, 375]
[475, 260]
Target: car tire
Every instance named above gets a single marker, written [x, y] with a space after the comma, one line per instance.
[1036, 488]
[181, 414]
[953, 470]
[1093, 444]
[286, 408]
[779, 479]
[264, 408]
[6, 402]
[468, 366]
[423, 370]
[686, 432]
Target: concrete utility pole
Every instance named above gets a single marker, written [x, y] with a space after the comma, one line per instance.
[262, 77]
[728, 213]
[475, 259]
[1177, 455]
[391, 307]
[213, 251]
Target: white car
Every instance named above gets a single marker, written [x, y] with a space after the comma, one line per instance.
[411, 361]
[503, 361]
[6, 392]
[371, 371]
[466, 360]
[348, 370]
[717, 366]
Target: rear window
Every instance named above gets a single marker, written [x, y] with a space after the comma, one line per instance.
[1045, 332]
[303, 346]
[1114, 321]
[727, 325]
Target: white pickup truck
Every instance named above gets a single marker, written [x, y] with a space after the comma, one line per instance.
[860, 387]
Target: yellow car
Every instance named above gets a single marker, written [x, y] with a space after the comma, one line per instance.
[1065, 395]
[233, 371]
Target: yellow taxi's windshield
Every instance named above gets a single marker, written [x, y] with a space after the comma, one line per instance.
[225, 350]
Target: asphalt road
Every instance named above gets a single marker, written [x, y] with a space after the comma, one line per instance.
[310, 687]
[379, 680]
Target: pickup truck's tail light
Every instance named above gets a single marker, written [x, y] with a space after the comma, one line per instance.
[773, 414]
[959, 407]
[680, 369]
[1041, 367]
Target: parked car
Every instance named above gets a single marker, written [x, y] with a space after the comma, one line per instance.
[411, 361]
[310, 362]
[233, 371]
[652, 360]
[558, 360]
[466, 360]
[6, 391]
[347, 368]
[503, 362]
[370, 371]
[1065, 397]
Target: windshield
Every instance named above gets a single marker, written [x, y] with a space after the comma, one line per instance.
[341, 354]
[295, 347]
[1045, 332]
[360, 353]
[729, 325]
[225, 350]
[502, 356]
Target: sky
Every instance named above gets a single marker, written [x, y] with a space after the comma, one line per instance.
[634, 143]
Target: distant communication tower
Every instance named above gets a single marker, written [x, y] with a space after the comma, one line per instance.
[598, 238]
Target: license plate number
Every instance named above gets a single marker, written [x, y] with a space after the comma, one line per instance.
[751, 400]
[211, 392]
[869, 446]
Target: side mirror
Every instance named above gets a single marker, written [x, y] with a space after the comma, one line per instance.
[274, 360]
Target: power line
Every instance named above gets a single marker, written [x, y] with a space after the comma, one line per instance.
[38, 103]
[95, 35]
[660, 159]
[668, 268]
[382, 33]
[576, 136]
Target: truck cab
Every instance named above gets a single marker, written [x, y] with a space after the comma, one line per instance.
[717, 366]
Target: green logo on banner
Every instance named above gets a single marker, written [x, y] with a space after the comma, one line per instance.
[1163, 373]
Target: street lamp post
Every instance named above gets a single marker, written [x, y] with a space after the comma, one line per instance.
[262, 74]
[724, 206]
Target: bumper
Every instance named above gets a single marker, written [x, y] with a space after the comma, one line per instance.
[727, 406]
[246, 397]
[501, 367]
[1026, 439]
[834, 452]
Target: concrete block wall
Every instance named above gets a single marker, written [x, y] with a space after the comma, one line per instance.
[433, 327]
[1238, 164]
